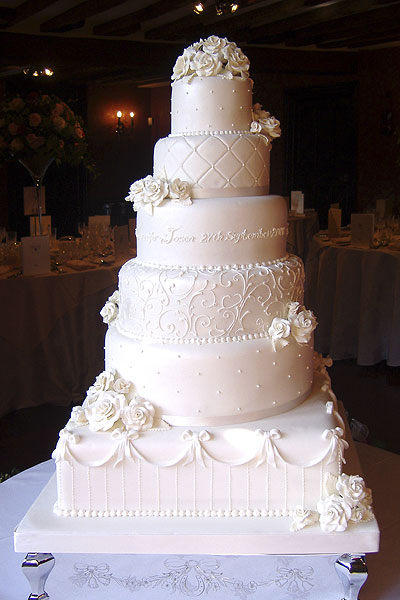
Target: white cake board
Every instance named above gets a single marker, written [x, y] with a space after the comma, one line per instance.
[42, 531]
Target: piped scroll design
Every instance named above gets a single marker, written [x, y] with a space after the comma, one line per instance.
[176, 304]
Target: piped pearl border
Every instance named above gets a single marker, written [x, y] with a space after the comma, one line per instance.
[218, 268]
[192, 341]
[216, 132]
[173, 513]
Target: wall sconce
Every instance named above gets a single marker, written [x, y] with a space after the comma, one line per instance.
[122, 121]
[120, 125]
[149, 121]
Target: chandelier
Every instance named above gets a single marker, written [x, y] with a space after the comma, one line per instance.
[221, 7]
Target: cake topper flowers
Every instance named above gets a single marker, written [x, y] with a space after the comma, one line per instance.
[210, 57]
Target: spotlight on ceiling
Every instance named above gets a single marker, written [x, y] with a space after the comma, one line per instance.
[222, 7]
[199, 8]
[226, 7]
[38, 71]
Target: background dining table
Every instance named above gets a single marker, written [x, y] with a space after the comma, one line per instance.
[355, 293]
[301, 229]
[52, 336]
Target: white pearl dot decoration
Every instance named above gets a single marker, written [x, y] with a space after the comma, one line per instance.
[239, 370]
[274, 363]
[238, 409]
[289, 376]
[258, 385]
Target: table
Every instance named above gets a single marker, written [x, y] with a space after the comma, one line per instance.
[301, 229]
[52, 336]
[355, 294]
[221, 577]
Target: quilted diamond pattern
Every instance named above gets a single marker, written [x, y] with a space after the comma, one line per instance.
[215, 161]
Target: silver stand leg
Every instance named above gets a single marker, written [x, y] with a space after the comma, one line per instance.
[36, 568]
[353, 573]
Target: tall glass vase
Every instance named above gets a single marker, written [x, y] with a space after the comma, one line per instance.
[37, 166]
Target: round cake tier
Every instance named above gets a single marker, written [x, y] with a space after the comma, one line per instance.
[184, 304]
[216, 165]
[218, 383]
[206, 104]
[214, 231]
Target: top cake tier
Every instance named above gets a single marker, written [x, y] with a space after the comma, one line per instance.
[211, 104]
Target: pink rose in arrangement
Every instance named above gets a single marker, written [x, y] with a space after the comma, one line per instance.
[16, 145]
[17, 104]
[13, 128]
[34, 141]
[57, 110]
[59, 123]
[34, 119]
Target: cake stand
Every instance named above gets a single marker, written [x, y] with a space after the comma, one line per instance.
[41, 534]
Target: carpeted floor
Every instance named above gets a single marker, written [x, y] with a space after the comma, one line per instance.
[371, 397]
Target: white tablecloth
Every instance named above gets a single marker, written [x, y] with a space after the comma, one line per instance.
[221, 577]
[52, 336]
[301, 229]
[355, 294]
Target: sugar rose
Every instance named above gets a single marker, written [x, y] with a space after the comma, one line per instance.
[352, 488]
[138, 415]
[103, 411]
[109, 312]
[334, 513]
[302, 325]
[206, 65]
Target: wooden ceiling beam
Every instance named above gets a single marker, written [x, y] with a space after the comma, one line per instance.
[132, 22]
[28, 9]
[340, 28]
[77, 14]
[371, 38]
[315, 17]
[7, 15]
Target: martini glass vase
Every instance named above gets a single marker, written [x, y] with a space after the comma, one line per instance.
[37, 166]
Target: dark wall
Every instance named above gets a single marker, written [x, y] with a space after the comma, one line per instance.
[121, 159]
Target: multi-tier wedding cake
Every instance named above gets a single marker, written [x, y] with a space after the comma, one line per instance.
[212, 402]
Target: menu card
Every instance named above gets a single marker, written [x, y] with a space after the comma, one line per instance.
[362, 230]
[334, 222]
[30, 201]
[297, 202]
[34, 225]
[121, 240]
[35, 255]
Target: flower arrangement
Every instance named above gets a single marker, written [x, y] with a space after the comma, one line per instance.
[152, 191]
[210, 57]
[298, 323]
[111, 405]
[40, 127]
[264, 122]
[109, 312]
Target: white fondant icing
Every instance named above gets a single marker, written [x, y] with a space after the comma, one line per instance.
[223, 231]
